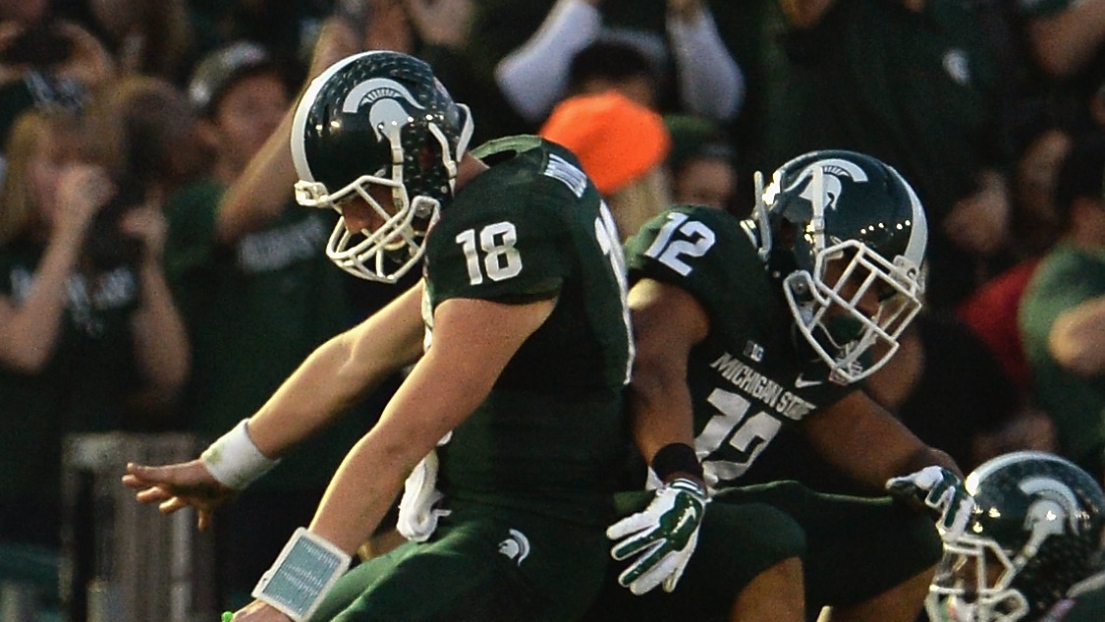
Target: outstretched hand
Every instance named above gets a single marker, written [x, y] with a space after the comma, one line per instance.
[442, 22]
[177, 486]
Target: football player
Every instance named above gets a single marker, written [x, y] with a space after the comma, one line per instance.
[507, 433]
[1032, 551]
[522, 258]
[746, 327]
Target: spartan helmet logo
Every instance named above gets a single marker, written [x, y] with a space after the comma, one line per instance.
[515, 546]
[385, 114]
[1054, 504]
[831, 169]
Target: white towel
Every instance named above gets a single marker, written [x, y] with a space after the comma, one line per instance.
[417, 515]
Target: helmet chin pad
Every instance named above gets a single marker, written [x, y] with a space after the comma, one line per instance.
[375, 257]
[839, 332]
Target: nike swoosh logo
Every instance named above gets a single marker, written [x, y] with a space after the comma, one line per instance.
[802, 383]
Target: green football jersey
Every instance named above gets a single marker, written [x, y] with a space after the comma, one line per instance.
[533, 227]
[1085, 603]
[749, 378]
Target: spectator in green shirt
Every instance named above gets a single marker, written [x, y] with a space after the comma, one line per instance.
[1062, 312]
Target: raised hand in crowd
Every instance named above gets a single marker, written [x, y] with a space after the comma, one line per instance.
[979, 222]
[64, 49]
[442, 22]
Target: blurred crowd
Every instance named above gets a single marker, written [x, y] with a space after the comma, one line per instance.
[152, 279]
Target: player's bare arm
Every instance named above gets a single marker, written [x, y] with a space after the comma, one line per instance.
[339, 371]
[843, 433]
[667, 323]
[472, 342]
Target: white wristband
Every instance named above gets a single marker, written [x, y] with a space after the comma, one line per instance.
[303, 574]
[234, 460]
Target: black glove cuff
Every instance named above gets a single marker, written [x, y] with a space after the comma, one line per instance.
[676, 458]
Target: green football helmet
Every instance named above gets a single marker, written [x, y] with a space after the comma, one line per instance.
[379, 118]
[1035, 532]
[827, 206]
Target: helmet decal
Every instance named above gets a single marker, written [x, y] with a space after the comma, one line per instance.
[375, 89]
[386, 115]
[1054, 505]
[1058, 498]
[831, 170]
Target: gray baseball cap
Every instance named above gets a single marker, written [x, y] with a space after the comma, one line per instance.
[222, 68]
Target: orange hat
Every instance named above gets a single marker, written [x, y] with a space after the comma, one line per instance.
[616, 140]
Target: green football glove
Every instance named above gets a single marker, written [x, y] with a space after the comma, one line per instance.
[663, 536]
[940, 490]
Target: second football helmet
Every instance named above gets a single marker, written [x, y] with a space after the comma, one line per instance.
[379, 119]
[847, 208]
[1034, 533]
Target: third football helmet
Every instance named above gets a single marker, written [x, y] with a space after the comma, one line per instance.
[847, 208]
[379, 119]
[1034, 533]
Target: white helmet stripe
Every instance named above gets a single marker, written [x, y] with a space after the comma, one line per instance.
[919, 234]
[1000, 462]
